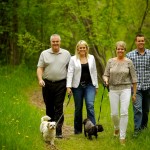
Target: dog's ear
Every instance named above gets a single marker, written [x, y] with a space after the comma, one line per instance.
[100, 128]
[48, 124]
[84, 121]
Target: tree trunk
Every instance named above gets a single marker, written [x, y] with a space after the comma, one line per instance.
[13, 40]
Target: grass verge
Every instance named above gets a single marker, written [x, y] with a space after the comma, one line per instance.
[20, 120]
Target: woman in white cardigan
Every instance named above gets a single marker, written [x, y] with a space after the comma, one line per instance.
[82, 83]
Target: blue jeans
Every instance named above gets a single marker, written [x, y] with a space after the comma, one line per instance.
[141, 109]
[86, 92]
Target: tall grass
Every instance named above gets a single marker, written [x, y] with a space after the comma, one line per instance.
[19, 123]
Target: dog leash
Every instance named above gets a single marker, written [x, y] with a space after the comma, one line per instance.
[69, 97]
[102, 99]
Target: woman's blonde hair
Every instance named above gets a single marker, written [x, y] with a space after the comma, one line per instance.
[77, 46]
[121, 43]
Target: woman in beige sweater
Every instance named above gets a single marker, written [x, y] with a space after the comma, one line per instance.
[120, 75]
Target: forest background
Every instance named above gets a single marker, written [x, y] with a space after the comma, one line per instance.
[26, 26]
[25, 29]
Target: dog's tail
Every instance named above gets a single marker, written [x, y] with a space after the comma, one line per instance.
[45, 118]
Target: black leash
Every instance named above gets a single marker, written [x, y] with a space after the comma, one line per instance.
[69, 97]
[102, 100]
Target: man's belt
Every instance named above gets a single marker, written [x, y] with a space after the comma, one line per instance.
[54, 81]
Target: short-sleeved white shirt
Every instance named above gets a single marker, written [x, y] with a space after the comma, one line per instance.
[54, 64]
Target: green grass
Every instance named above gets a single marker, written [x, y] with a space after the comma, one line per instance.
[19, 123]
[105, 139]
[20, 119]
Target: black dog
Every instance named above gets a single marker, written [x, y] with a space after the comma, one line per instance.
[91, 129]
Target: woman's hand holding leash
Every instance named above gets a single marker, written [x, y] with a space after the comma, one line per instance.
[106, 83]
[105, 80]
[69, 91]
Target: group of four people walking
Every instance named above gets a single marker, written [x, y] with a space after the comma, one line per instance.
[126, 75]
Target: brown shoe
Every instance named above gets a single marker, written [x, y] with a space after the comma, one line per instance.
[116, 133]
[122, 142]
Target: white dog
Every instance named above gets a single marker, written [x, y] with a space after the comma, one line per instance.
[48, 129]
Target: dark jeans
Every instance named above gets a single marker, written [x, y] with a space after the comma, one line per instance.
[54, 95]
[141, 109]
[145, 107]
[88, 93]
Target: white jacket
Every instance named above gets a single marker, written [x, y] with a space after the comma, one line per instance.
[74, 71]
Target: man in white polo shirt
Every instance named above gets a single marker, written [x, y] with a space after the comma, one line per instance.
[51, 73]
